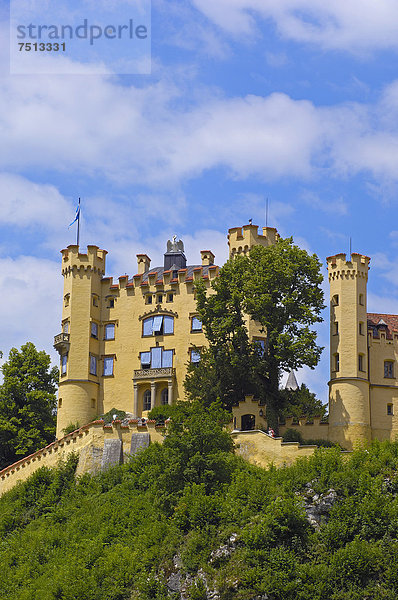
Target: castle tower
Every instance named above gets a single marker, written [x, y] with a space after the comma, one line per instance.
[349, 409]
[78, 344]
[242, 239]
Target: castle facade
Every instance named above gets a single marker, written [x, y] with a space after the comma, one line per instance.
[128, 344]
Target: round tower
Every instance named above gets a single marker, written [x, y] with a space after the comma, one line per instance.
[78, 343]
[349, 408]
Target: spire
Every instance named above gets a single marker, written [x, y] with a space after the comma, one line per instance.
[291, 383]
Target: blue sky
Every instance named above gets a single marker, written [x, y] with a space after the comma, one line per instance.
[294, 100]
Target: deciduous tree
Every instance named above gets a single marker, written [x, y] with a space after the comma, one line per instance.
[27, 403]
[278, 287]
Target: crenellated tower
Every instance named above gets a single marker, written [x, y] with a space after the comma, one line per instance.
[78, 343]
[242, 239]
[349, 404]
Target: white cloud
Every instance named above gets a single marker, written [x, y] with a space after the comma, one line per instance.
[25, 203]
[356, 25]
[337, 206]
[30, 303]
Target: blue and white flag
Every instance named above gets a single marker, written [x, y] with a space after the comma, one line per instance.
[77, 215]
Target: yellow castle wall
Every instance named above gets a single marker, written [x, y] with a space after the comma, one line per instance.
[261, 450]
[92, 435]
[383, 390]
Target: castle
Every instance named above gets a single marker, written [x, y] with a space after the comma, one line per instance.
[128, 344]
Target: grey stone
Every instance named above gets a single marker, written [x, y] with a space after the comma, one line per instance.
[318, 509]
[139, 441]
[174, 582]
[112, 454]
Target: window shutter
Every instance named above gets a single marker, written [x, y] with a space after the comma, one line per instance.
[110, 331]
[148, 326]
[196, 324]
[145, 358]
[156, 358]
[167, 358]
[157, 324]
[168, 325]
[195, 356]
[93, 365]
[108, 366]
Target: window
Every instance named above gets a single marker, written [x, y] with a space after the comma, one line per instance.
[148, 299]
[336, 362]
[157, 358]
[196, 324]
[66, 299]
[170, 297]
[65, 328]
[111, 303]
[158, 325]
[108, 366]
[160, 298]
[93, 365]
[390, 409]
[336, 329]
[260, 346]
[361, 299]
[361, 362]
[195, 356]
[64, 362]
[388, 369]
[335, 300]
[164, 396]
[361, 329]
[94, 330]
[60, 403]
[95, 300]
[109, 331]
[147, 400]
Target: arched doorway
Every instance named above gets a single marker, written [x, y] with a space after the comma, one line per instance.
[164, 396]
[248, 422]
[147, 400]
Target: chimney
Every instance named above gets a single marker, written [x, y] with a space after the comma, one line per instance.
[207, 258]
[144, 263]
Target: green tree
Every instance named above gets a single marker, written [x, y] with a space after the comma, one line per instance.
[297, 403]
[27, 403]
[197, 447]
[278, 287]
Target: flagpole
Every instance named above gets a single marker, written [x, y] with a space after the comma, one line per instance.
[78, 226]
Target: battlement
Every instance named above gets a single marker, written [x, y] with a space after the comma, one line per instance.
[242, 239]
[93, 259]
[341, 268]
[156, 279]
[91, 436]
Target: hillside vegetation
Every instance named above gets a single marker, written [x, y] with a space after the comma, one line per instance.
[191, 520]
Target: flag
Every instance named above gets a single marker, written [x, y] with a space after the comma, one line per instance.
[77, 215]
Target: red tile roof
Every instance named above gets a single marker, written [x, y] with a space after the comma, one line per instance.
[390, 320]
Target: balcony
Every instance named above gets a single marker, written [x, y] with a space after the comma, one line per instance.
[162, 373]
[61, 343]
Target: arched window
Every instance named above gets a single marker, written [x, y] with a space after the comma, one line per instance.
[164, 397]
[147, 400]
